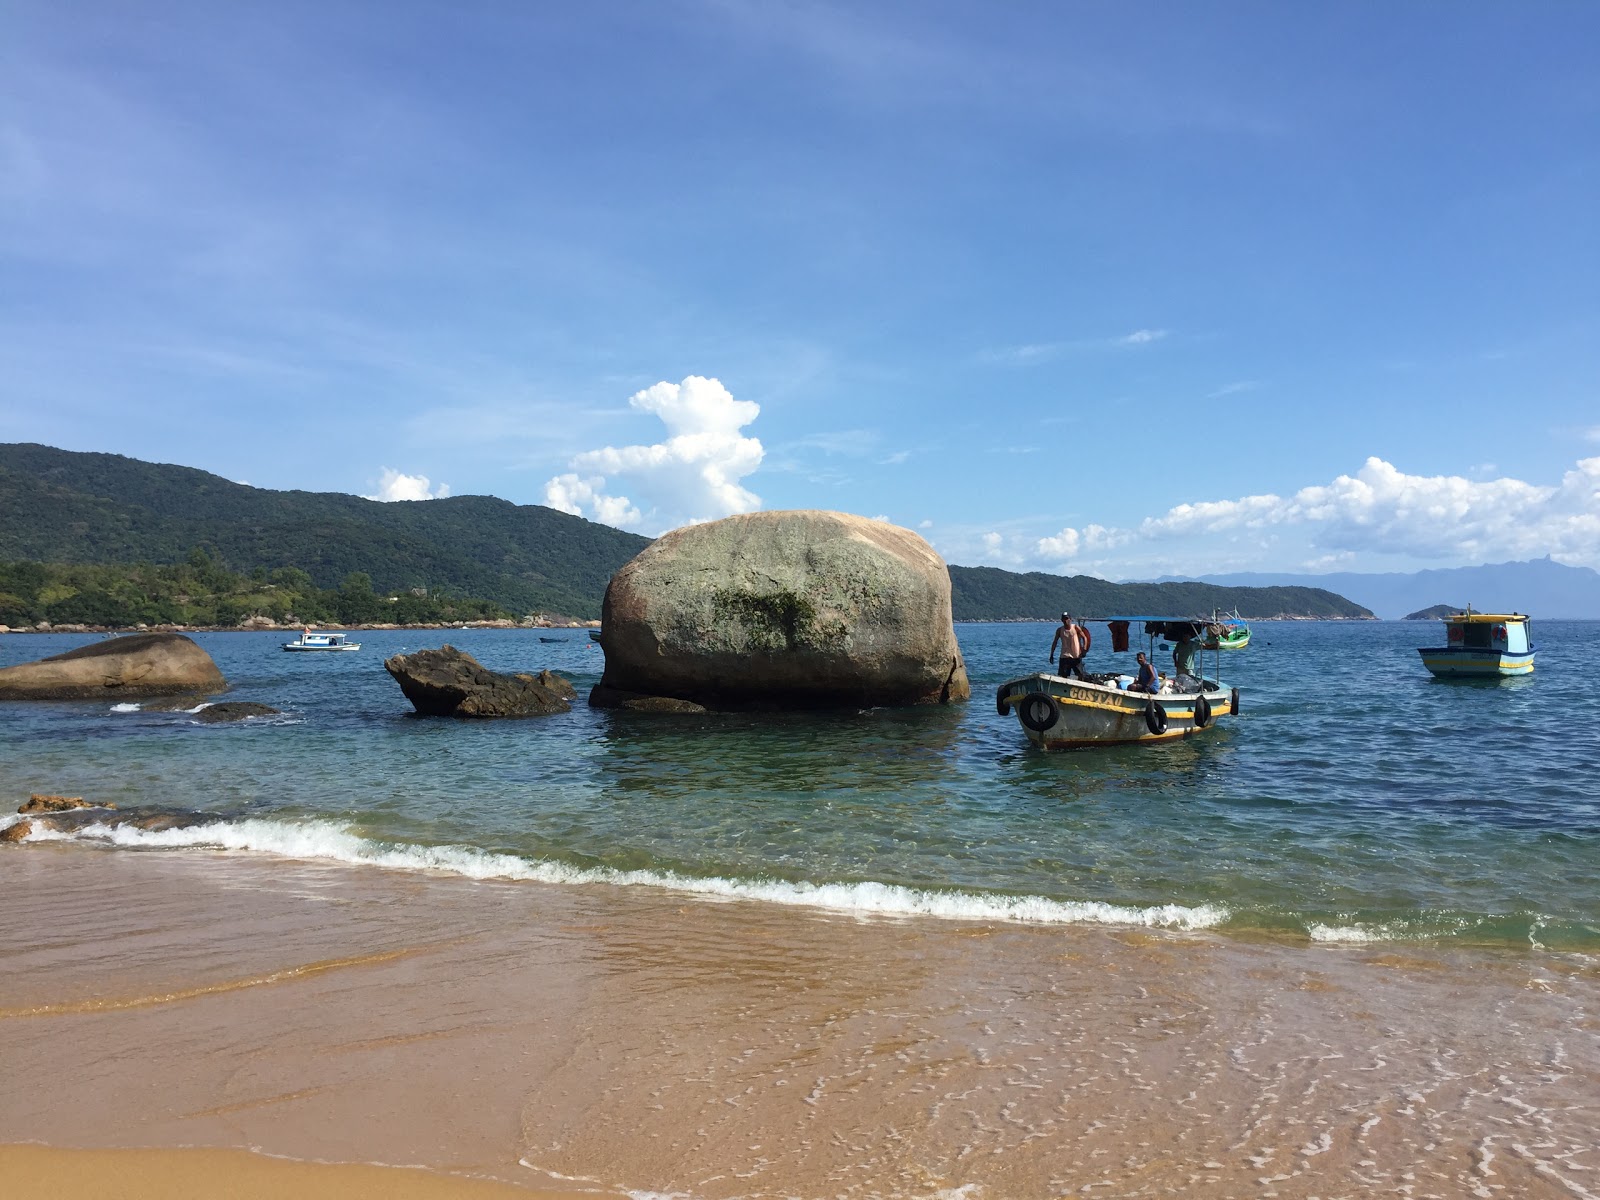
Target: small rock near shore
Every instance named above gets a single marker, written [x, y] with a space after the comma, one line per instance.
[41, 802]
[13, 834]
[232, 710]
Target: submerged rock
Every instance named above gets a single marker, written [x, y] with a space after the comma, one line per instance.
[141, 664]
[798, 609]
[40, 802]
[13, 834]
[450, 683]
[232, 710]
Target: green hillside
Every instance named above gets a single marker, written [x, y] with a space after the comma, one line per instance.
[66, 507]
[990, 594]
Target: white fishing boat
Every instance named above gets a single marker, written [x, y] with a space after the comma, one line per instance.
[1060, 713]
[321, 641]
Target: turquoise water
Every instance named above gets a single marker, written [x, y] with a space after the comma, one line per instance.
[1355, 799]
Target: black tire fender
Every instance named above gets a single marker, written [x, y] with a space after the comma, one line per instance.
[1202, 712]
[1233, 703]
[1038, 711]
[1002, 703]
[1155, 717]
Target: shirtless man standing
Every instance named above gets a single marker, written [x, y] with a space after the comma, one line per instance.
[1070, 636]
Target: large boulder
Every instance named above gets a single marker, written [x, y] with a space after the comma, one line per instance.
[141, 664]
[450, 683]
[800, 609]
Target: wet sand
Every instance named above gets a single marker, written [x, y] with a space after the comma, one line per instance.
[40, 1172]
[610, 1040]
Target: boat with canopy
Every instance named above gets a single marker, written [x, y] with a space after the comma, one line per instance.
[1059, 713]
[1482, 645]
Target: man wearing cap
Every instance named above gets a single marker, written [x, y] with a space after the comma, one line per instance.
[1070, 636]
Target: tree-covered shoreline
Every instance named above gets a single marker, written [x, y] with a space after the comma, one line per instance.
[200, 593]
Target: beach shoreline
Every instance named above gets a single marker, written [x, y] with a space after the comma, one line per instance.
[618, 1040]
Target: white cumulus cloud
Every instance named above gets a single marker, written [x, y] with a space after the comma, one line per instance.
[693, 475]
[1383, 510]
[395, 486]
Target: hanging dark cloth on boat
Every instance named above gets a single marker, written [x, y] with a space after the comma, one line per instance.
[1119, 635]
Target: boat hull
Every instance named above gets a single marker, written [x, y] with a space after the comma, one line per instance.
[1235, 642]
[1083, 714]
[1445, 661]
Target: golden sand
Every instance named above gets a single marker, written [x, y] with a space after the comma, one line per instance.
[42, 1173]
[614, 1040]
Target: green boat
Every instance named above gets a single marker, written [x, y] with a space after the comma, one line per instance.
[1234, 635]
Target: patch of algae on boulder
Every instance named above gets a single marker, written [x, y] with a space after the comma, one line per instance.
[781, 620]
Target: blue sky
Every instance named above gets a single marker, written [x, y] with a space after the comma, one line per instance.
[1116, 289]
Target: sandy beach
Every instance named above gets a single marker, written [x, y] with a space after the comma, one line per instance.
[613, 1041]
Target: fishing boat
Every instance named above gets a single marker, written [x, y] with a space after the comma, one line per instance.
[1484, 645]
[1232, 633]
[321, 641]
[1058, 713]
[594, 635]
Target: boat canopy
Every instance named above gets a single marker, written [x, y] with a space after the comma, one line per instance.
[1477, 618]
[1188, 620]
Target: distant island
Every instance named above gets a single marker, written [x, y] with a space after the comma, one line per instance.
[1437, 613]
[111, 541]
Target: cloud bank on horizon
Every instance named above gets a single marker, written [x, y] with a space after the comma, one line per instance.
[1379, 510]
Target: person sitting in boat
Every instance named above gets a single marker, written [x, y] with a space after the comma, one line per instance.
[1070, 635]
[1147, 679]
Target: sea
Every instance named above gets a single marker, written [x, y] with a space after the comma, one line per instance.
[1355, 799]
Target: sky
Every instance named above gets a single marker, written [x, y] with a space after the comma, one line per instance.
[1124, 290]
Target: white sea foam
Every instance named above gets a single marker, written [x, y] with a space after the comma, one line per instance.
[331, 841]
[126, 707]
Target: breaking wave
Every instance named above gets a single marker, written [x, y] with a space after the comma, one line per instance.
[330, 841]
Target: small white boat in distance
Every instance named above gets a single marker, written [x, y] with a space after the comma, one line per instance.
[321, 641]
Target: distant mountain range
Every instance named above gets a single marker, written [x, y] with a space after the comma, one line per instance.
[65, 507]
[1541, 587]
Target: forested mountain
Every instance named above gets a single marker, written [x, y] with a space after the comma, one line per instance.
[988, 593]
[64, 507]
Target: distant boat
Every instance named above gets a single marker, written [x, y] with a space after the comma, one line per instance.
[545, 639]
[1231, 633]
[1484, 645]
[321, 641]
[594, 635]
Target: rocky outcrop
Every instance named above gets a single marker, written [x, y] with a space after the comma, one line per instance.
[449, 683]
[798, 609]
[233, 710]
[142, 664]
[14, 834]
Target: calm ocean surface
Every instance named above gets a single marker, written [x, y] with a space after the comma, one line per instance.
[1355, 799]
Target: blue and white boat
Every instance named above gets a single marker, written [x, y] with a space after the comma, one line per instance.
[1483, 645]
[321, 641]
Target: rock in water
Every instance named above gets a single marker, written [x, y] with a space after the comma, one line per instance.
[798, 609]
[448, 683]
[141, 664]
[233, 710]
